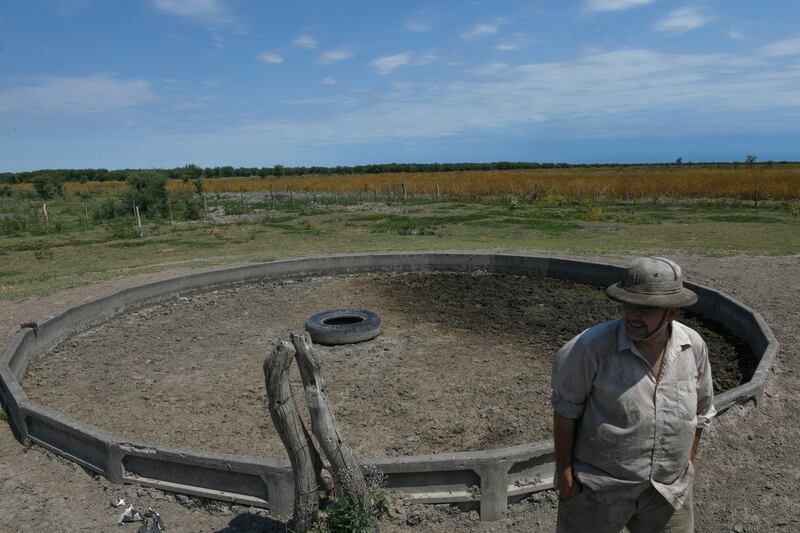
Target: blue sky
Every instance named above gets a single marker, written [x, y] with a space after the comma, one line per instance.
[162, 83]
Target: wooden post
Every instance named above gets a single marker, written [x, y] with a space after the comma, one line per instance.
[46, 218]
[348, 473]
[271, 199]
[241, 197]
[405, 193]
[205, 205]
[138, 220]
[755, 198]
[438, 191]
[306, 462]
[375, 191]
[86, 214]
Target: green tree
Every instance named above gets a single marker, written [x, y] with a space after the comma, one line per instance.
[48, 186]
[148, 190]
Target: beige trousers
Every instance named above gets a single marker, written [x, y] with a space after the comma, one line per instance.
[648, 513]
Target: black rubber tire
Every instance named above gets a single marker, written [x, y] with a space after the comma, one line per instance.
[343, 326]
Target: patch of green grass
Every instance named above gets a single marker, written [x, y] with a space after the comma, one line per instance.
[743, 218]
[79, 255]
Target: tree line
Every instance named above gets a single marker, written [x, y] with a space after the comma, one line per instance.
[191, 171]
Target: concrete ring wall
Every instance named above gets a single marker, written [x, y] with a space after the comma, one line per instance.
[488, 479]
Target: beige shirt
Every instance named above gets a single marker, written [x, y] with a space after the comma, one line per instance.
[633, 429]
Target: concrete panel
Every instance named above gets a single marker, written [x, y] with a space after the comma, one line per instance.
[79, 442]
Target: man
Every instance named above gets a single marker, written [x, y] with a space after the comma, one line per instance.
[630, 399]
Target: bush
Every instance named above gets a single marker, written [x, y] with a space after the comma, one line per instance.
[109, 209]
[148, 191]
[48, 187]
[10, 225]
[192, 207]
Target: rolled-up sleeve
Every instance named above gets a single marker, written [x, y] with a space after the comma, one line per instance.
[705, 389]
[574, 368]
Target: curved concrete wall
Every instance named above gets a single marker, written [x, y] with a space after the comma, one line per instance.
[489, 479]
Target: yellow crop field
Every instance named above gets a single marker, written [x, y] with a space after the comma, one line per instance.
[776, 182]
[96, 187]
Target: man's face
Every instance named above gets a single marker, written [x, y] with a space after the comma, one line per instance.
[641, 322]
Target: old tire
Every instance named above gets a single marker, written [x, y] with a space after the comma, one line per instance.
[343, 326]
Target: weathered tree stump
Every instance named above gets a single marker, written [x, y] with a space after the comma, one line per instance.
[310, 474]
[306, 462]
[345, 468]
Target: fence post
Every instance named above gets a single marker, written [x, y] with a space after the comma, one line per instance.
[46, 218]
[138, 220]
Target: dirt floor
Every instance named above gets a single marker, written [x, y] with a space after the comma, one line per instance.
[463, 363]
[747, 471]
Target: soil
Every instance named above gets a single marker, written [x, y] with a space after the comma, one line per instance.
[463, 363]
[747, 470]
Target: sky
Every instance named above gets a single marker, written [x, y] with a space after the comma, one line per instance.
[165, 83]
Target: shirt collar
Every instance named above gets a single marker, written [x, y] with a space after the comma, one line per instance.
[678, 337]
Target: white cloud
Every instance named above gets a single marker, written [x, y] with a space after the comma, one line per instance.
[330, 80]
[424, 59]
[613, 5]
[92, 94]
[418, 25]
[735, 34]
[388, 64]
[595, 94]
[480, 30]
[508, 46]
[682, 20]
[515, 43]
[269, 57]
[787, 47]
[200, 10]
[305, 41]
[334, 55]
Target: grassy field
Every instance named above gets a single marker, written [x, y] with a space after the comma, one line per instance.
[710, 181]
[81, 247]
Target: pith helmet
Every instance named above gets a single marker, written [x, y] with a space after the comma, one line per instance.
[653, 282]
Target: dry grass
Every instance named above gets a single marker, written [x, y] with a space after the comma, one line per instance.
[776, 182]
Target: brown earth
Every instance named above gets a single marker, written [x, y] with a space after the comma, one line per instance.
[463, 363]
[747, 472]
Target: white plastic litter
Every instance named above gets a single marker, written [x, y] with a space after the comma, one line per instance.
[152, 523]
[120, 503]
[129, 515]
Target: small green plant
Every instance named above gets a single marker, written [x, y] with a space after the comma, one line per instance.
[3, 413]
[43, 252]
[513, 204]
[596, 214]
[360, 514]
